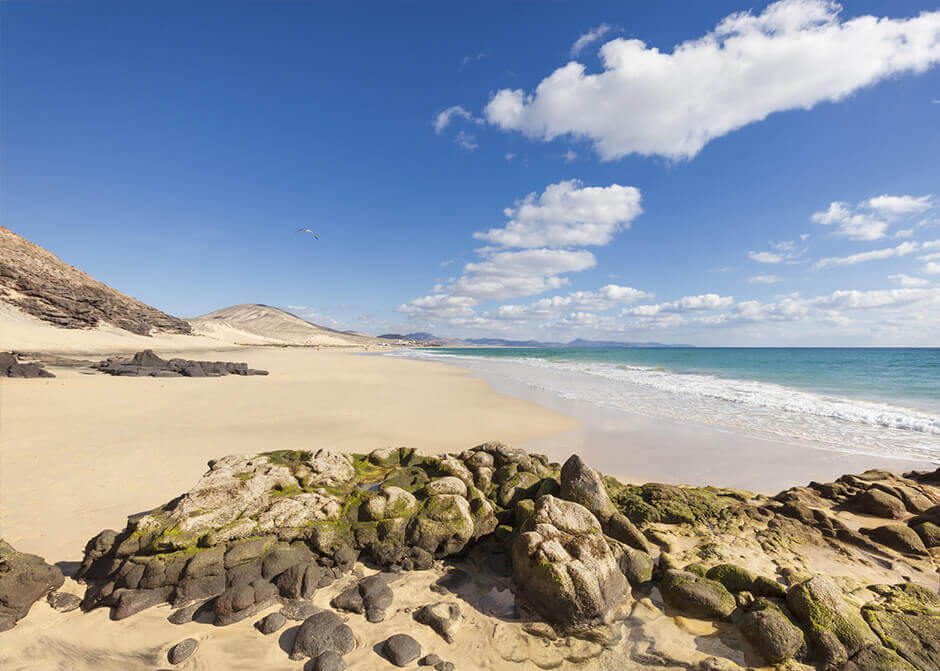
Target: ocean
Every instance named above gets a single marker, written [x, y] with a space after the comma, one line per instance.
[872, 401]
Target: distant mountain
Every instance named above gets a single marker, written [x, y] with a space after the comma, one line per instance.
[39, 283]
[610, 344]
[430, 338]
[500, 342]
[266, 324]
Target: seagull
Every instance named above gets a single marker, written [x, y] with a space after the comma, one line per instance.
[307, 230]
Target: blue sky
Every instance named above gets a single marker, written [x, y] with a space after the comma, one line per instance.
[629, 170]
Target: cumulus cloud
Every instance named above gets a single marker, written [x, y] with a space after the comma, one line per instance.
[442, 120]
[765, 257]
[567, 214]
[764, 279]
[907, 281]
[466, 141]
[899, 205]
[509, 274]
[439, 306]
[867, 300]
[793, 55]
[588, 38]
[858, 226]
[701, 302]
[901, 250]
[605, 298]
[932, 268]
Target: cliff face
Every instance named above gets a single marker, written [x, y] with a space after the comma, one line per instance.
[41, 284]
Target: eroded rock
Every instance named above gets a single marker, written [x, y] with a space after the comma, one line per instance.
[24, 580]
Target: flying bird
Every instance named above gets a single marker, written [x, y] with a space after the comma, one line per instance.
[307, 230]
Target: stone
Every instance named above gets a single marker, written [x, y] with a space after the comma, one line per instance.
[772, 632]
[185, 614]
[880, 504]
[877, 658]
[636, 565]
[914, 636]
[10, 366]
[429, 660]
[243, 600]
[834, 630]
[695, 596]
[129, 602]
[64, 602]
[401, 649]
[898, 537]
[182, 651]
[444, 666]
[148, 364]
[442, 526]
[298, 609]
[329, 661]
[564, 567]
[370, 596]
[24, 580]
[444, 617]
[271, 623]
[321, 632]
[738, 579]
[446, 485]
[929, 533]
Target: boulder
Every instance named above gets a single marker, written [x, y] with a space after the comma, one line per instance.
[636, 565]
[401, 649]
[64, 602]
[444, 617]
[148, 364]
[329, 661]
[11, 367]
[271, 623]
[442, 526]
[370, 596]
[880, 504]
[320, 633]
[772, 633]
[834, 629]
[24, 579]
[898, 537]
[929, 533]
[695, 596]
[914, 636]
[563, 565]
[243, 600]
[182, 651]
[738, 579]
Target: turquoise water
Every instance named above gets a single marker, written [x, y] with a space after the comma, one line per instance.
[905, 377]
[867, 401]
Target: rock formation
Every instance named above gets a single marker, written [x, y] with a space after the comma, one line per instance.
[39, 283]
[148, 364]
[24, 580]
[582, 551]
[11, 367]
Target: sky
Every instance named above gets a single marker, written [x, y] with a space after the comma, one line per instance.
[720, 173]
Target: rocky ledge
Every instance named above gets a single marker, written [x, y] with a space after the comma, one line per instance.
[838, 576]
[148, 364]
[10, 366]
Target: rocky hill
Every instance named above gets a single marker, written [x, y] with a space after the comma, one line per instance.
[41, 284]
[275, 326]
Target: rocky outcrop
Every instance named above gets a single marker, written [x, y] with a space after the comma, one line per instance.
[564, 566]
[24, 580]
[40, 284]
[148, 364]
[10, 366]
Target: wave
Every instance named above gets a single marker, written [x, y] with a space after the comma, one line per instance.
[859, 425]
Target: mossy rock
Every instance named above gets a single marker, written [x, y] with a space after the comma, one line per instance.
[772, 632]
[409, 478]
[695, 596]
[698, 569]
[877, 658]
[929, 533]
[520, 486]
[738, 579]
[668, 504]
[636, 565]
[915, 637]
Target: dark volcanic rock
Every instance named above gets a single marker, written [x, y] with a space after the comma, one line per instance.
[444, 618]
[329, 661]
[63, 601]
[243, 600]
[696, 596]
[772, 632]
[401, 649]
[321, 632]
[39, 283]
[148, 364]
[11, 367]
[270, 623]
[24, 579]
[370, 596]
[182, 651]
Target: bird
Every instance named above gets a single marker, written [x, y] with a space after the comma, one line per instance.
[307, 230]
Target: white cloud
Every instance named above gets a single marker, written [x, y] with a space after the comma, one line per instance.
[907, 281]
[867, 300]
[901, 250]
[794, 55]
[472, 59]
[442, 120]
[567, 214]
[932, 268]
[899, 205]
[904, 233]
[701, 302]
[466, 141]
[509, 156]
[765, 257]
[588, 38]
[859, 226]
[570, 156]
[605, 298]
[439, 306]
[764, 279]
[521, 273]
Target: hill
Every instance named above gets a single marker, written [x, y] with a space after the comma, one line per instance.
[37, 282]
[263, 324]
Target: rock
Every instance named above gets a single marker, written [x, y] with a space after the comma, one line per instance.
[898, 537]
[695, 596]
[129, 602]
[401, 649]
[444, 666]
[185, 614]
[63, 601]
[371, 596]
[148, 364]
[243, 600]
[298, 610]
[24, 579]
[429, 660]
[321, 632]
[931, 515]
[444, 617]
[182, 651]
[636, 565]
[519, 486]
[446, 485]
[564, 567]
[929, 533]
[880, 504]
[737, 579]
[329, 661]
[914, 636]
[877, 658]
[834, 630]
[772, 632]
[582, 484]
[271, 623]
[11, 367]
[442, 526]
